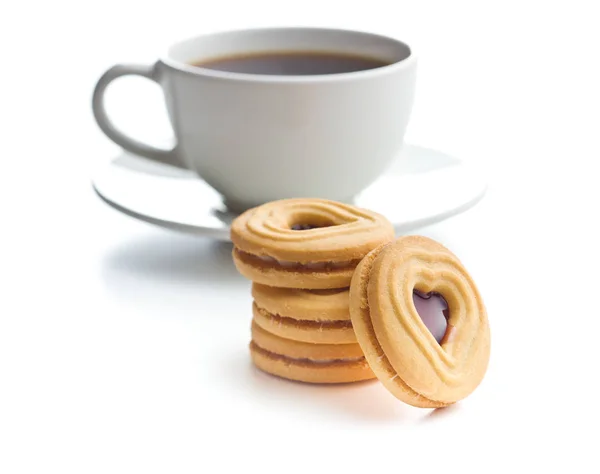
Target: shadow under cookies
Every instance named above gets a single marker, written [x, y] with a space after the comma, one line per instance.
[366, 401]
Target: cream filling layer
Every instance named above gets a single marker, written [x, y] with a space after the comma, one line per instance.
[306, 323]
[304, 360]
[299, 265]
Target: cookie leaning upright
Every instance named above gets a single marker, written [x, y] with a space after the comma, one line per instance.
[400, 349]
[305, 243]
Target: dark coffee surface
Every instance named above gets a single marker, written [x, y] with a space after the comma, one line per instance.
[292, 63]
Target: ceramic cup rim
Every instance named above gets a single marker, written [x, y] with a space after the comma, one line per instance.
[404, 62]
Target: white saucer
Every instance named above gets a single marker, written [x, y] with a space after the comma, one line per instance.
[422, 187]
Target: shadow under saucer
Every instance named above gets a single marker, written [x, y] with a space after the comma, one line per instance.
[177, 267]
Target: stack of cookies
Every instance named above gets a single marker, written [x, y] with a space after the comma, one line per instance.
[337, 300]
[300, 255]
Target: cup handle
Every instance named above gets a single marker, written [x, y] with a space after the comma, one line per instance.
[168, 157]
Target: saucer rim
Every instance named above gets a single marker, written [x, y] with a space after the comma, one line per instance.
[223, 233]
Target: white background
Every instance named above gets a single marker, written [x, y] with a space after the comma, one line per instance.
[123, 348]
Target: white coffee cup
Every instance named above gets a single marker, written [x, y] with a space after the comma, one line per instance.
[257, 137]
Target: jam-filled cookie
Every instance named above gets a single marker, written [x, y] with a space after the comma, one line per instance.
[305, 362]
[305, 243]
[420, 321]
[316, 316]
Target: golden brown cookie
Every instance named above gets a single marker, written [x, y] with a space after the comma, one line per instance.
[316, 316]
[398, 345]
[305, 362]
[305, 243]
